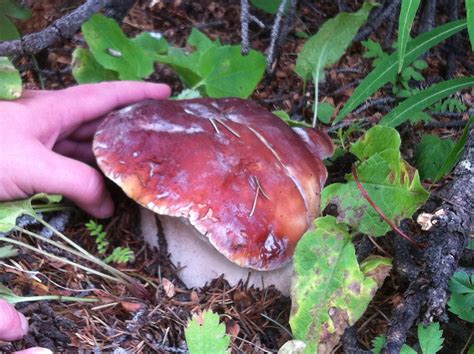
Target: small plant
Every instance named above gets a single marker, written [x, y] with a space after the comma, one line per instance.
[450, 104]
[119, 254]
[204, 334]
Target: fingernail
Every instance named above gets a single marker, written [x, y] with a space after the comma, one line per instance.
[23, 323]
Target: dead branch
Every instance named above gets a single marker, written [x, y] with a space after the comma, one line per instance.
[445, 243]
[244, 25]
[61, 29]
[377, 17]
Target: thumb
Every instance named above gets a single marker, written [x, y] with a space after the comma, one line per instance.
[13, 325]
[75, 180]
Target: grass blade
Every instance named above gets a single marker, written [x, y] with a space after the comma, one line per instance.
[424, 99]
[387, 68]
[470, 20]
[405, 23]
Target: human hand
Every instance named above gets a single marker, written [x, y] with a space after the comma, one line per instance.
[45, 141]
[13, 326]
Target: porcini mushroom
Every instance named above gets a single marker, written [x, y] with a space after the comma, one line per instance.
[242, 181]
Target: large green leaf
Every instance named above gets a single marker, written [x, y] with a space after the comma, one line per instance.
[405, 22]
[152, 43]
[86, 69]
[386, 69]
[424, 99]
[270, 6]
[329, 290]
[226, 72]
[10, 211]
[430, 338]
[470, 20]
[204, 334]
[430, 155]
[8, 30]
[329, 44]
[391, 183]
[114, 51]
[10, 80]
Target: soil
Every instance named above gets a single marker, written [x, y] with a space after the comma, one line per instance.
[257, 318]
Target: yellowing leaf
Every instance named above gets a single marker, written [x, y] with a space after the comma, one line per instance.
[391, 183]
[330, 292]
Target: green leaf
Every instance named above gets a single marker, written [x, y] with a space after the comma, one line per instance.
[10, 80]
[86, 69]
[379, 342]
[325, 112]
[8, 30]
[186, 65]
[461, 302]
[430, 338]
[386, 69]
[153, 43]
[423, 99]
[200, 41]
[470, 20]
[114, 51]
[269, 6]
[226, 72]
[430, 155]
[188, 94]
[405, 23]
[204, 334]
[287, 119]
[455, 154]
[330, 292]
[8, 251]
[10, 211]
[13, 9]
[328, 45]
[391, 183]
[419, 117]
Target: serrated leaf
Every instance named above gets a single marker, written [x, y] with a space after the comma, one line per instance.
[329, 291]
[392, 184]
[86, 69]
[10, 80]
[204, 334]
[420, 117]
[461, 302]
[8, 30]
[328, 45]
[379, 342]
[470, 21]
[430, 338]
[114, 51]
[430, 155]
[293, 346]
[405, 23]
[424, 99]
[8, 251]
[455, 154]
[386, 69]
[226, 72]
[10, 211]
[13, 9]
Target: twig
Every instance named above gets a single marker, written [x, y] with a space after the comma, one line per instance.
[377, 18]
[63, 28]
[427, 20]
[244, 25]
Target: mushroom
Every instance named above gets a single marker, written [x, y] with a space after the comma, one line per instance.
[235, 187]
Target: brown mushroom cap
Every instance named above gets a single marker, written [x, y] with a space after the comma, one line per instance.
[239, 174]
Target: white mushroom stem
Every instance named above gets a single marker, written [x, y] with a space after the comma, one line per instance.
[200, 261]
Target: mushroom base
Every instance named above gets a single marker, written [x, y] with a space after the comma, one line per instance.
[200, 261]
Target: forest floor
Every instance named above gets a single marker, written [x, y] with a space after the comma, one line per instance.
[256, 318]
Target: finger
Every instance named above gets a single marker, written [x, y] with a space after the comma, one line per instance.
[75, 180]
[81, 151]
[76, 105]
[35, 350]
[85, 131]
[13, 325]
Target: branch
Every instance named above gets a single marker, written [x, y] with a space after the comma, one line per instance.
[378, 17]
[446, 242]
[244, 25]
[63, 28]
